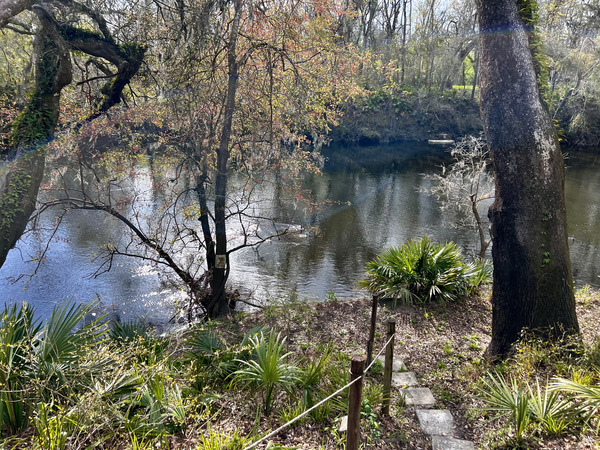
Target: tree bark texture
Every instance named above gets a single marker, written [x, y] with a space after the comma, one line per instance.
[533, 287]
[22, 176]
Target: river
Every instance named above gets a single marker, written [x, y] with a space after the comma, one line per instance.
[373, 197]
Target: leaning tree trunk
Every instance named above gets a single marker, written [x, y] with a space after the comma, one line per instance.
[20, 178]
[533, 287]
[33, 128]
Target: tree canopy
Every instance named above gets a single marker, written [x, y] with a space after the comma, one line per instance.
[208, 89]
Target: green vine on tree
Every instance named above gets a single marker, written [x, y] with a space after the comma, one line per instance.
[529, 12]
[32, 125]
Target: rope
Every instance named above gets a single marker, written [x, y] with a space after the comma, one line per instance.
[380, 352]
[273, 433]
[302, 415]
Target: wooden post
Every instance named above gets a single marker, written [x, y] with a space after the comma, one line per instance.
[389, 365]
[357, 367]
[372, 330]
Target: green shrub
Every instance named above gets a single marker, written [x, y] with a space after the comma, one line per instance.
[541, 409]
[213, 440]
[52, 430]
[269, 370]
[37, 363]
[422, 271]
[212, 360]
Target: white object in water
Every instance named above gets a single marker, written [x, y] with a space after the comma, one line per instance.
[440, 141]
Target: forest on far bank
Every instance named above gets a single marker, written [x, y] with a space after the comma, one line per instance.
[418, 69]
[251, 88]
[432, 51]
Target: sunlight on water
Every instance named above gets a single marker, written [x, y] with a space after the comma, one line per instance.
[370, 199]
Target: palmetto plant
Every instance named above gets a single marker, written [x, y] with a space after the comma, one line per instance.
[479, 273]
[17, 332]
[550, 410]
[268, 370]
[542, 407]
[509, 398]
[128, 331]
[422, 271]
[310, 377]
[212, 359]
[34, 358]
[588, 395]
[163, 405]
[61, 341]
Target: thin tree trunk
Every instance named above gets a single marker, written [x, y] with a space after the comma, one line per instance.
[205, 222]
[475, 75]
[368, 32]
[219, 306]
[573, 90]
[403, 56]
[429, 74]
[483, 243]
[533, 286]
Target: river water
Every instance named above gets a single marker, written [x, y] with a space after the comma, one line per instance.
[373, 198]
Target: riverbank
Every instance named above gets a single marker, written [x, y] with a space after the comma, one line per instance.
[444, 345]
[414, 115]
[417, 115]
[200, 388]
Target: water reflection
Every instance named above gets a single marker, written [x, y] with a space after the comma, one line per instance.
[370, 199]
[582, 191]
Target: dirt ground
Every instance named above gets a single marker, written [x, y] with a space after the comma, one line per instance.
[443, 344]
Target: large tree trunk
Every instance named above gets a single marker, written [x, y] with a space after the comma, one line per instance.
[33, 128]
[533, 288]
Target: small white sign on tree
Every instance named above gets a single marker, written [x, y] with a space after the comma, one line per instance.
[220, 261]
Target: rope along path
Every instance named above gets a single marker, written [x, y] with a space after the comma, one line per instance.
[273, 433]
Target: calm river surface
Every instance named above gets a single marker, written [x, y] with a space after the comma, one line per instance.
[377, 200]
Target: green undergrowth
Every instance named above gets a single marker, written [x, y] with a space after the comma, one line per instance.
[74, 383]
[79, 383]
[545, 392]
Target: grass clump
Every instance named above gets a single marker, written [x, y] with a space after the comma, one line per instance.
[423, 271]
[268, 370]
[546, 390]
